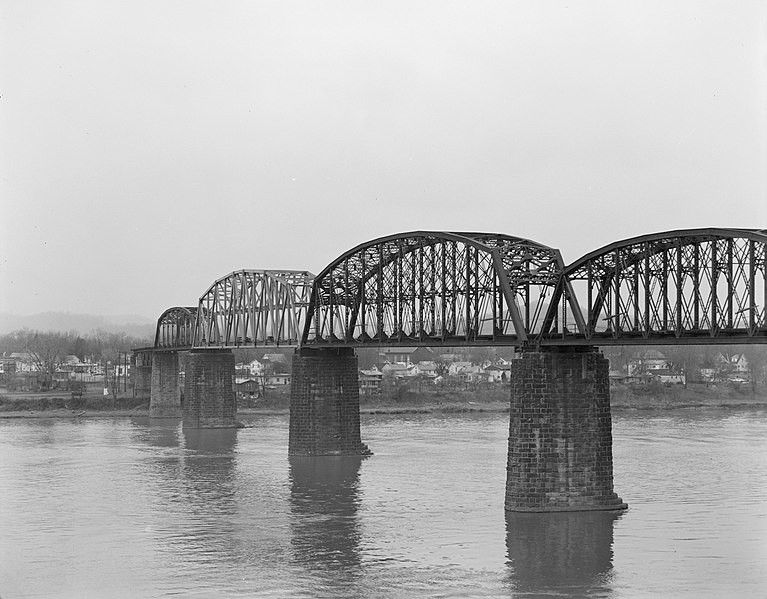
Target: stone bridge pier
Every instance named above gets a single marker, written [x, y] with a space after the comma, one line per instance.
[209, 397]
[325, 403]
[560, 432]
[165, 394]
[142, 385]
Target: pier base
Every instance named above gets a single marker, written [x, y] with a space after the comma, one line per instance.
[209, 398]
[560, 433]
[325, 403]
[165, 395]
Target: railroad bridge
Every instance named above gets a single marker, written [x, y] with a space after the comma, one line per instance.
[696, 286]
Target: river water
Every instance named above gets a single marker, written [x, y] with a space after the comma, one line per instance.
[132, 508]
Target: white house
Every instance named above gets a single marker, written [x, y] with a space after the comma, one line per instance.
[370, 380]
[276, 380]
[24, 362]
[652, 360]
[399, 370]
[495, 373]
[673, 378]
[428, 368]
[740, 363]
[255, 368]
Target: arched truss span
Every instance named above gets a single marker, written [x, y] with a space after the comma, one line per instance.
[175, 328]
[688, 286]
[251, 308]
[432, 288]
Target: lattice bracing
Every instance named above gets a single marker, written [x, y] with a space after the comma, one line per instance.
[175, 328]
[434, 288]
[681, 286]
[250, 308]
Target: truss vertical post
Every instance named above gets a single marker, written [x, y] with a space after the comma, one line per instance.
[714, 284]
[679, 288]
[730, 243]
[751, 287]
[696, 285]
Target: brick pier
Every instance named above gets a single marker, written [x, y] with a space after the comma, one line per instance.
[325, 403]
[560, 433]
[165, 396]
[209, 398]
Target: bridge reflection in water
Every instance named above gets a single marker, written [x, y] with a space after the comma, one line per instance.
[563, 553]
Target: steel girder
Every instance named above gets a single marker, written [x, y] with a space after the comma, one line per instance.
[250, 308]
[175, 328]
[434, 288]
[687, 286]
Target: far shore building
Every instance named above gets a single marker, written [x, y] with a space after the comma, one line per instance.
[399, 370]
[370, 381]
[650, 361]
[428, 369]
[24, 362]
[406, 355]
[456, 368]
[495, 373]
[281, 379]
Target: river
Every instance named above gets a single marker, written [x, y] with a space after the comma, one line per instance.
[119, 507]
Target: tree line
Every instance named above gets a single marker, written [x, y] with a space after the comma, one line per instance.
[47, 350]
[691, 359]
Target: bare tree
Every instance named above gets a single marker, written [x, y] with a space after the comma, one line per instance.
[46, 350]
[756, 356]
[621, 356]
[685, 359]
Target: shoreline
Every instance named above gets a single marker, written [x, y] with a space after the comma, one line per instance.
[457, 402]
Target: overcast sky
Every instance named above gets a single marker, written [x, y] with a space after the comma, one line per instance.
[148, 148]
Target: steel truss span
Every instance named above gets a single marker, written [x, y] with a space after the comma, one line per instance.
[435, 288]
[689, 286]
[175, 328]
[250, 308]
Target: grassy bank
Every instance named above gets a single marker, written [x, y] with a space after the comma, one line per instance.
[398, 401]
[622, 397]
[58, 404]
[694, 395]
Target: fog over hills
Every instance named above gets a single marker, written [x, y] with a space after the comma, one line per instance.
[131, 324]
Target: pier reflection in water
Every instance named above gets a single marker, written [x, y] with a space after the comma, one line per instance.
[209, 469]
[159, 432]
[565, 553]
[324, 501]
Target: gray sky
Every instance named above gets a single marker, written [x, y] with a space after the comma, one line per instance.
[148, 148]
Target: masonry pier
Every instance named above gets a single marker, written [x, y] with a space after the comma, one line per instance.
[560, 432]
[142, 386]
[165, 395]
[325, 403]
[209, 397]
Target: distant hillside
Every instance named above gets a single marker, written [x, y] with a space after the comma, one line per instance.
[130, 324]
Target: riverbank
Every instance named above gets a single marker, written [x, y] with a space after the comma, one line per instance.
[56, 405]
